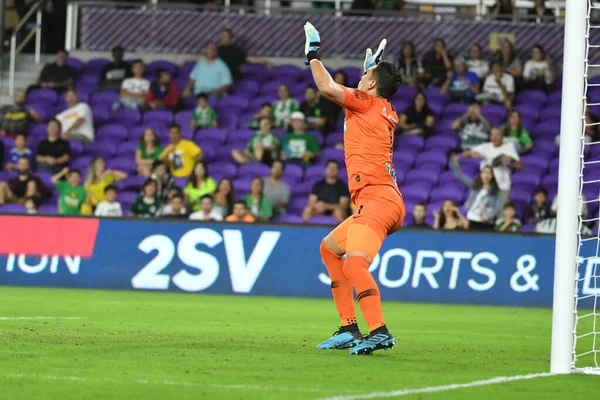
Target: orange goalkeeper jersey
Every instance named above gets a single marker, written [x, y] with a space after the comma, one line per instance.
[368, 140]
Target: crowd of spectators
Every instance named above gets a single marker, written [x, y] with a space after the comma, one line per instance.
[177, 183]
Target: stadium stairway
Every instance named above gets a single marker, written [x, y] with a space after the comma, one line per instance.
[26, 73]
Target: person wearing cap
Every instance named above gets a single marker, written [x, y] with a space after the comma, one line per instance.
[299, 147]
[462, 84]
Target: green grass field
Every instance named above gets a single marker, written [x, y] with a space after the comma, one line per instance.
[142, 345]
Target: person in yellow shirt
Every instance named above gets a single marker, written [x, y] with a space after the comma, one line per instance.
[181, 155]
[98, 178]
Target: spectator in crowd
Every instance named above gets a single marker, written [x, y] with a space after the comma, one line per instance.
[276, 190]
[23, 186]
[501, 156]
[148, 151]
[175, 207]
[206, 211]
[53, 153]
[114, 73]
[147, 205]
[260, 206]
[109, 207]
[515, 133]
[330, 110]
[97, 180]
[134, 89]
[329, 196]
[198, 185]
[484, 203]
[505, 9]
[508, 222]
[203, 116]
[210, 75]
[537, 73]
[240, 213]
[57, 75]
[163, 92]
[311, 108]
[418, 118]
[164, 181]
[262, 147]
[548, 225]
[283, 108]
[540, 209]
[234, 56]
[419, 214]
[31, 205]
[449, 218]
[15, 119]
[77, 120]
[72, 194]
[181, 155]
[410, 66]
[475, 64]
[510, 61]
[265, 112]
[19, 151]
[224, 197]
[499, 86]
[437, 64]
[592, 129]
[463, 85]
[473, 128]
[539, 13]
[299, 147]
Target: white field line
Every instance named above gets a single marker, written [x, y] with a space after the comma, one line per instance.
[34, 318]
[170, 383]
[443, 388]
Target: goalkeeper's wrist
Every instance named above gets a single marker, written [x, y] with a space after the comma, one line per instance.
[312, 55]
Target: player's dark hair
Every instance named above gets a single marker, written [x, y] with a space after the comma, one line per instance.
[510, 205]
[478, 182]
[331, 161]
[175, 126]
[388, 78]
[542, 191]
[109, 188]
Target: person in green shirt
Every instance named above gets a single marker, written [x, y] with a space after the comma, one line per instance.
[265, 112]
[72, 194]
[508, 223]
[148, 151]
[515, 133]
[262, 147]
[283, 108]
[259, 205]
[204, 116]
[199, 184]
[148, 205]
[299, 147]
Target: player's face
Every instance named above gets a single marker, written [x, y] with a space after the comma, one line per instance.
[366, 80]
[419, 213]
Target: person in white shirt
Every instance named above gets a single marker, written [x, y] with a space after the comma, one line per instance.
[133, 90]
[501, 156]
[77, 120]
[206, 212]
[109, 207]
[499, 87]
[537, 72]
[475, 64]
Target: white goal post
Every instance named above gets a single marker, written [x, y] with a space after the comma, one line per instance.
[569, 222]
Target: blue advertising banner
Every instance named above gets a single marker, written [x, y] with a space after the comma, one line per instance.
[275, 260]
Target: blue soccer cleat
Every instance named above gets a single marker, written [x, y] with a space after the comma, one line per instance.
[346, 337]
[379, 339]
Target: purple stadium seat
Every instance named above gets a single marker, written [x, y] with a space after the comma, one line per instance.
[246, 87]
[235, 101]
[293, 171]
[454, 110]
[535, 163]
[104, 97]
[322, 220]
[436, 157]
[133, 183]
[95, 65]
[554, 165]
[333, 139]
[81, 163]
[444, 143]
[415, 193]
[183, 118]
[186, 69]
[105, 149]
[547, 147]
[288, 219]
[101, 114]
[6, 175]
[444, 127]
[354, 74]
[434, 94]
[551, 114]
[38, 130]
[9, 143]
[290, 180]
[546, 130]
[530, 178]
[258, 72]
[161, 64]
[297, 205]
[12, 209]
[240, 135]
[550, 180]
[76, 148]
[413, 142]
[494, 110]
[256, 103]
[89, 79]
[400, 105]
[302, 190]
[270, 88]
[164, 116]
[314, 173]
[528, 111]
[333, 154]
[252, 170]
[75, 63]
[287, 70]
[554, 98]
[228, 121]
[127, 117]
[532, 97]
[42, 95]
[426, 177]
[48, 209]
[528, 228]
[213, 134]
[116, 132]
[405, 94]
[124, 164]
[307, 73]
[44, 110]
[437, 107]
[224, 169]
[442, 194]
[223, 152]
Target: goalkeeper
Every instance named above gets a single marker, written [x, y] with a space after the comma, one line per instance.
[369, 128]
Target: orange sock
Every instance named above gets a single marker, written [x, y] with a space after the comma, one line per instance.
[356, 268]
[341, 288]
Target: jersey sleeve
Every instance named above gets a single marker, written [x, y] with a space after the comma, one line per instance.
[356, 100]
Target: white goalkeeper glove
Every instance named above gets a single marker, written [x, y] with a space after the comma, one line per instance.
[312, 44]
[371, 60]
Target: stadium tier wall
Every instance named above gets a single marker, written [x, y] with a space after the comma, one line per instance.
[275, 260]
